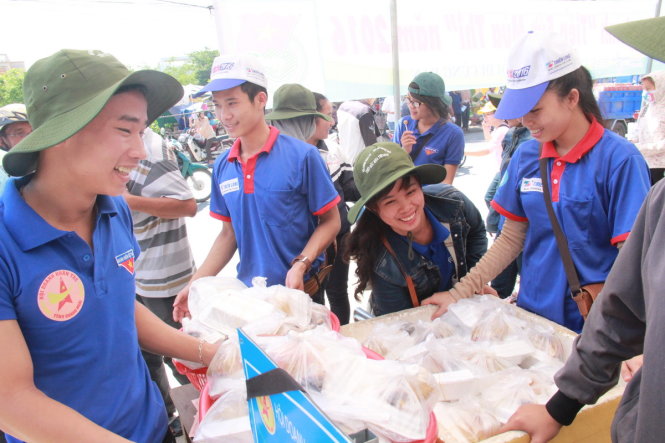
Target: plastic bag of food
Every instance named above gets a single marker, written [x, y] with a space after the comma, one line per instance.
[465, 421]
[544, 338]
[206, 289]
[227, 419]
[397, 398]
[391, 340]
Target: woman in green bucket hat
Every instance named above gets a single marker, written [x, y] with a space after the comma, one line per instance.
[409, 242]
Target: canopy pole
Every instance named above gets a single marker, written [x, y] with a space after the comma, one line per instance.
[649, 59]
[395, 53]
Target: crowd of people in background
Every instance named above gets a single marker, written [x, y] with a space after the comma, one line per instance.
[96, 265]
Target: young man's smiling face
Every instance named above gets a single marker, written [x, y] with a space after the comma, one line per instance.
[239, 115]
[100, 156]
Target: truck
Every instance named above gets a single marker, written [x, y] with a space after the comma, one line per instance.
[620, 100]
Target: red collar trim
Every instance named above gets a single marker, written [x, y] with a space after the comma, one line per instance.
[592, 136]
[267, 147]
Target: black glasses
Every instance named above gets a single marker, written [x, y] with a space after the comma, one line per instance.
[412, 102]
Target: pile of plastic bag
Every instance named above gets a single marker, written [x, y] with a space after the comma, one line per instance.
[486, 358]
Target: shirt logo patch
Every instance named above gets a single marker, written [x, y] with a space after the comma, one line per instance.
[61, 295]
[229, 186]
[534, 184]
[430, 151]
[126, 260]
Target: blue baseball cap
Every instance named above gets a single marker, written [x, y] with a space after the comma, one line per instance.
[534, 61]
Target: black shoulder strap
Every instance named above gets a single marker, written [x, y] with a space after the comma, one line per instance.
[561, 240]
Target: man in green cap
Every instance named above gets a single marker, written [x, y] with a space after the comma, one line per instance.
[272, 192]
[70, 327]
[626, 319]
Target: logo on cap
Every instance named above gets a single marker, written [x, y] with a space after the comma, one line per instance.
[559, 63]
[61, 295]
[222, 67]
[372, 160]
[516, 74]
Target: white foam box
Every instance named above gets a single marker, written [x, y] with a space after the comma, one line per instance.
[592, 424]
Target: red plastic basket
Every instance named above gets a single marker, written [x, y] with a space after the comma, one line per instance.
[198, 377]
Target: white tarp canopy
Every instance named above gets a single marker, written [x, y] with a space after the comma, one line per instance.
[343, 48]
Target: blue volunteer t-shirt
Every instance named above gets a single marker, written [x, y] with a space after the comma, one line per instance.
[75, 308]
[597, 190]
[445, 145]
[436, 251]
[273, 202]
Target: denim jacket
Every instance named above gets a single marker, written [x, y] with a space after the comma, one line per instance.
[467, 243]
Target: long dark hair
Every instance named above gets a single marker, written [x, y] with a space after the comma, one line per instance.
[434, 103]
[579, 79]
[364, 242]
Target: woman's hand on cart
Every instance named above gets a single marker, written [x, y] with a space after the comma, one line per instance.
[442, 300]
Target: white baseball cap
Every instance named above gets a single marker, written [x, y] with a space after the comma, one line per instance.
[229, 71]
[535, 60]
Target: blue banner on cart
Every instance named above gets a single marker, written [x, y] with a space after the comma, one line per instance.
[286, 416]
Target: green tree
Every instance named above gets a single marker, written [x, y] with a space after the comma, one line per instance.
[201, 62]
[11, 86]
[182, 73]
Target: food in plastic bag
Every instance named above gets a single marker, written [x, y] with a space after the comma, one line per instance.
[545, 339]
[227, 420]
[494, 326]
[397, 398]
[465, 421]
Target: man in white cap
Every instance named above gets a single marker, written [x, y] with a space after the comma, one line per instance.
[272, 192]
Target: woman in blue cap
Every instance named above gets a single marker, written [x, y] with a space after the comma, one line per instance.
[409, 243]
[597, 181]
[427, 133]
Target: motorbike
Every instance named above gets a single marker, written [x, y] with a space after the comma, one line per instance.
[197, 174]
[196, 147]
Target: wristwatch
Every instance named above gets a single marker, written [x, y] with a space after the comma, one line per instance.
[303, 259]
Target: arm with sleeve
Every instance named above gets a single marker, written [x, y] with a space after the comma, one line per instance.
[625, 319]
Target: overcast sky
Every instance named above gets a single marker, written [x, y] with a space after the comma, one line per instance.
[138, 32]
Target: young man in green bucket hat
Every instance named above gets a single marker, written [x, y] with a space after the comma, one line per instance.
[272, 192]
[626, 319]
[70, 327]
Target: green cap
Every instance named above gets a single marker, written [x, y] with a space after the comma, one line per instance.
[294, 100]
[431, 85]
[382, 164]
[65, 91]
[647, 36]
[494, 98]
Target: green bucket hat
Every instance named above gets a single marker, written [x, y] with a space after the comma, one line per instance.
[294, 100]
[647, 36]
[431, 85]
[65, 91]
[382, 164]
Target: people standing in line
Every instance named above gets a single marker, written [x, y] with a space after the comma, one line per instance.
[650, 138]
[597, 180]
[409, 242]
[159, 198]
[70, 325]
[427, 134]
[272, 192]
[626, 319]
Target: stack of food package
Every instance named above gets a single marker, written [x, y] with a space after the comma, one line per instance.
[487, 357]
[392, 399]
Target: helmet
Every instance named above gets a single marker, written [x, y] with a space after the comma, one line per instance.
[13, 113]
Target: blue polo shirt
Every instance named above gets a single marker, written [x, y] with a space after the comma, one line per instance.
[445, 146]
[436, 251]
[273, 202]
[597, 189]
[75, 308]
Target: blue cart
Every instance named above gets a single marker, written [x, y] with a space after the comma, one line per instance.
[619, 105]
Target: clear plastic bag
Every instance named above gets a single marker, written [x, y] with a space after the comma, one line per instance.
[465, 421]
[545, 339]
[227, 419]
